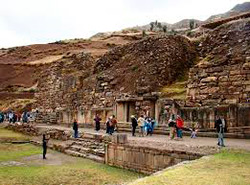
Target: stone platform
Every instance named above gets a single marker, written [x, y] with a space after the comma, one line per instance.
[143, 154]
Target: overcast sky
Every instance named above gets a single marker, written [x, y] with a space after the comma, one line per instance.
[24, 22]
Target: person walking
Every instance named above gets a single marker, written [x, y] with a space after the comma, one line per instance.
[97, 122]
[172, 126]
[45, 142]
[134, 124]
[11, 117]
[140, 122]
[220, 130]
[179, 126]
[75, 128]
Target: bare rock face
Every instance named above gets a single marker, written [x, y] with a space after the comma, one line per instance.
[223, 75]
[146, 65]
[80, 82]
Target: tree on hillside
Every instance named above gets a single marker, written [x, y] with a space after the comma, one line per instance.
[152, 26]
[159, 25]
[164, 28]
[191, 24]
[144, 33]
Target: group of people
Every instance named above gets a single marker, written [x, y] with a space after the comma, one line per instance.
[176, 125]
[13, 117]
[111, 125]
[146, 125]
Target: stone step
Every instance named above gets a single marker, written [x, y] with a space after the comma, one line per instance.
[88, 150]
[88, 156]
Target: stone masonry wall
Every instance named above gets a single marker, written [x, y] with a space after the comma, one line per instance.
[143, 159]
[223, 74]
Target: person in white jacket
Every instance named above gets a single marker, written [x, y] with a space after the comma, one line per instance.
[140, 122]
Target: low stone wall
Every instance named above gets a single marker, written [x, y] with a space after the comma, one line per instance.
[143, 159]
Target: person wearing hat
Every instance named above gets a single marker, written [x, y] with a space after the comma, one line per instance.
[134, 124]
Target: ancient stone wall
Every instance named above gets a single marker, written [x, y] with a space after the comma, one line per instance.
[79, 87]
[143, 159]
[223, 74]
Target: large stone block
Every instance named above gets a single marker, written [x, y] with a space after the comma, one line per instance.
[120, 138]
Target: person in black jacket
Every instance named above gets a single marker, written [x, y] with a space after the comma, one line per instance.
[45, 141]
[220, 129]
[75, 128]
[134, 124]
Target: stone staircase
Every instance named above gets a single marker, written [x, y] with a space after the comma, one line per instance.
[87, 148]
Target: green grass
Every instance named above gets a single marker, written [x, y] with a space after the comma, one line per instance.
[11, 135]
[230, 167]
[73, 171]
[9, 152]
[175, 91]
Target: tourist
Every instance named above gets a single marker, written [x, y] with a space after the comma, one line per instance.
[148, 126]
[113, 125]
[97, 122]
[172, 126]
[25, 117]
[134, 124]
[141, 121]
[11, 117]
[220, 130]
[75, 128]
[194, 130]
[45, 141]
[1, 117]
[108, 123]
[179, 126]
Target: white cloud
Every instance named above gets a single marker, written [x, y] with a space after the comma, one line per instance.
[40, 21]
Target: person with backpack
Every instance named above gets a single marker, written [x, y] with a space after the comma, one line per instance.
[134, 124]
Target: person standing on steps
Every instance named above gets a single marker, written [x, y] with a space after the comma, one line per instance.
[134, 124]
[45, 142]
[97, 122]
[75, 128]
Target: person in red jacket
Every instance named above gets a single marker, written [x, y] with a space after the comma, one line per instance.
[179, 126]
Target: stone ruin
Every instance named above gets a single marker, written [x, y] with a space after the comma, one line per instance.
[128, 79]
